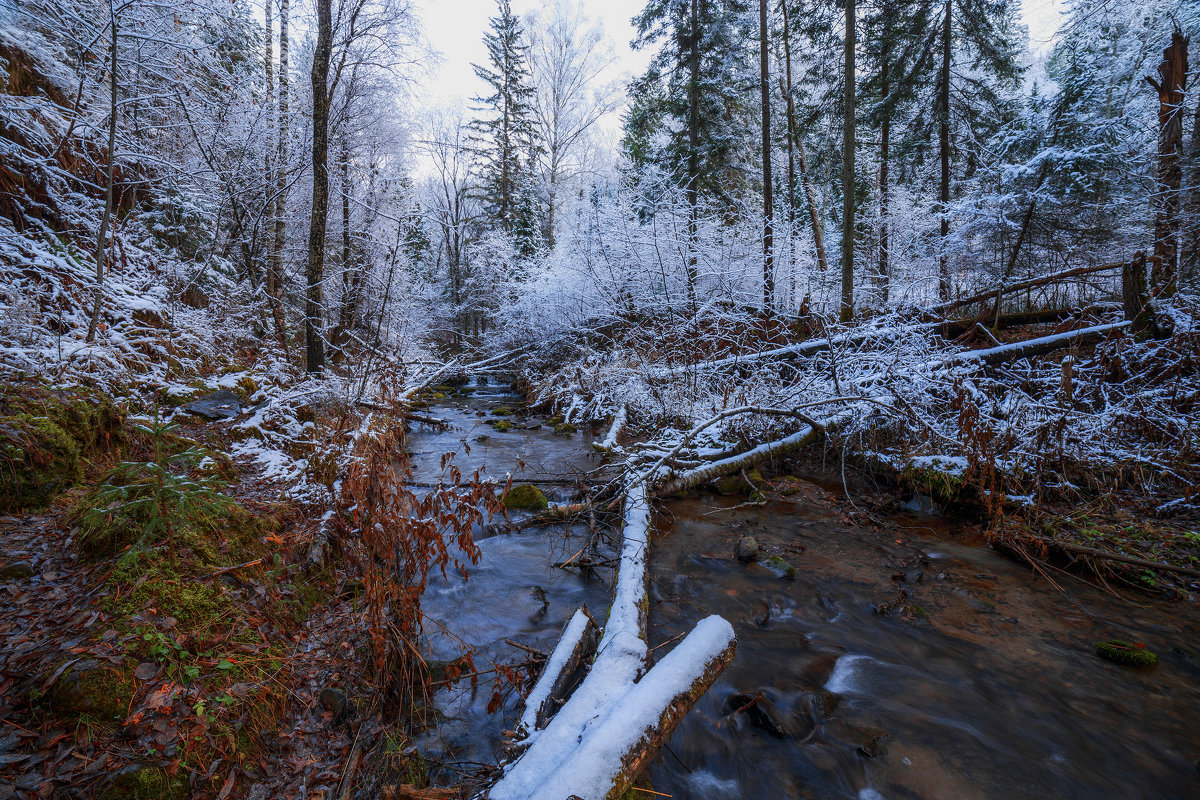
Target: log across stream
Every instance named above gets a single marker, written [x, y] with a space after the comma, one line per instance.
[979, 680]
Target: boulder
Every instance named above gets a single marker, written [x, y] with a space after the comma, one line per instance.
[747, 549]
[221, 404]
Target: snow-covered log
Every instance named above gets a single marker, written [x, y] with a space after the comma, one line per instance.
[577, 644]
[614, 430]
[611, 726]
[805, 348]
[727, 466]
[1036, 347]
[1032, 283]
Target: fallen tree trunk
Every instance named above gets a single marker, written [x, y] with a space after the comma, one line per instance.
[1032, 283]
[1107, 555]
[952, 329]
[569, 658]
[613, 723]
[1036, 347]
[732, 464]
[614, 430]
[805, 348]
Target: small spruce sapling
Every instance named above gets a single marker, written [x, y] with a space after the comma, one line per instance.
[153, 497]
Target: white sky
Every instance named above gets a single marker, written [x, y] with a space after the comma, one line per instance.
[455, 29]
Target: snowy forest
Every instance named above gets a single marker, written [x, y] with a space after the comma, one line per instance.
[811, 412]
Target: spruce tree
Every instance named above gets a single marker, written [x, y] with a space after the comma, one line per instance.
[505, 138]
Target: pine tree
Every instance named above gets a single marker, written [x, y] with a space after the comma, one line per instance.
[690, 110]
[506, 138]
[960, 59]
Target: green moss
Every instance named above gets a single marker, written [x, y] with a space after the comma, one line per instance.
[305, 598]
[145, 580]
[565, 429]
[46, 435]
[145, 782]
[781, 567]
[502, 411]
[736, 484]
[501, 426]
[1126, 654]
[556, 420]
[525, 497]
[102, 692]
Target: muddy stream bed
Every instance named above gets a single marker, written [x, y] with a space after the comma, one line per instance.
[981, 683]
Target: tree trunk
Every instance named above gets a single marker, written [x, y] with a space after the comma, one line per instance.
[768, 236]
[1172, 82]
[814, 209]
[847, 312]
[785, 88]
[1189, 266]
[102, 235]
[943, 112]
[882, 276]
[315, 274]
[275, 269]
[693, 159]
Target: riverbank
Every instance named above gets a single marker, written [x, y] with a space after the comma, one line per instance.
[164, 637]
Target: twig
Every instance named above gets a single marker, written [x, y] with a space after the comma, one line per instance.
[234, 568]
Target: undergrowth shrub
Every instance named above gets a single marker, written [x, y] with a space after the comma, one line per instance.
[139, 503]
[396, 538]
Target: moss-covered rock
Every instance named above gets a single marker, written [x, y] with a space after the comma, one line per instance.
[88, 688]
[1126, 654]
[780, 566]
[525, 497]
[501, 425]
[502, 411]
[736, 484]
[145, 782]
[46, 436]
[566, 429]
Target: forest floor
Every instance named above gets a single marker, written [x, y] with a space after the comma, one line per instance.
[224, 671]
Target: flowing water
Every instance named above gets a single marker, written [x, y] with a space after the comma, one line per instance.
[981, 682]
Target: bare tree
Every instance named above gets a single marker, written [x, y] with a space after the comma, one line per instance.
[847, 312]
[314, 343]
[102, 234]
[568, 57]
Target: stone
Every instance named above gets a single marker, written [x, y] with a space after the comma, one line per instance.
[760, 711]
[221, 404]
[335, 702]
[525, 497]
[747, 549]
[16, 570]
[780, 566]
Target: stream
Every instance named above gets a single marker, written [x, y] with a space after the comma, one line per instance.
[980, 683]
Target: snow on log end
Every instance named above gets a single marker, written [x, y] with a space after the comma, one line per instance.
[622, 741]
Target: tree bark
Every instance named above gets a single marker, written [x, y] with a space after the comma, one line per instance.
[315, 273]
[943, 112]
[1172, 82]
[768, 235]
[1189, 263]
[785, 88]
[102, 234]
[847, 311]
[693, 159]
[275, 269]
